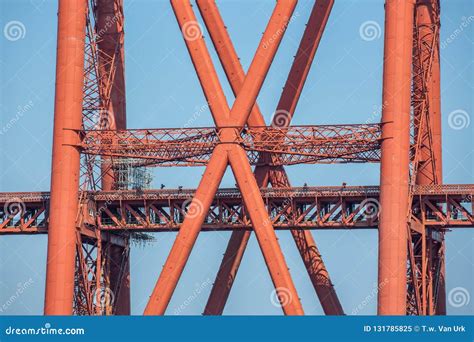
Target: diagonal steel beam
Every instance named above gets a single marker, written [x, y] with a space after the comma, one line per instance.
[225, 153]
[235, 75]
[304, 58]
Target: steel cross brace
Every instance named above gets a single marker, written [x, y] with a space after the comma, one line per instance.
[267, 174]
[229, 153]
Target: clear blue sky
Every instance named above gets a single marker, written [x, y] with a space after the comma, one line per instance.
[344, 86]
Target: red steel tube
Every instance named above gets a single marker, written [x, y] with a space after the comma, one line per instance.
[274, 259]
[394, 177]
[66, 158]
[304, 57]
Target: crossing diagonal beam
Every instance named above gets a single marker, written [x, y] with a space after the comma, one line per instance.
[232, 154]
[235, 75]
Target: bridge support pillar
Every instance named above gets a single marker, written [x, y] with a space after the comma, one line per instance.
[394, 174]
[66, 158]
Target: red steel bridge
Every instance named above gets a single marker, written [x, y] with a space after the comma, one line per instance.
[90, 220]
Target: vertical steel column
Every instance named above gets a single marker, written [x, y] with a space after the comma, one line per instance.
[66, 158]
[110, 30]
[394, 168]
[427, 16]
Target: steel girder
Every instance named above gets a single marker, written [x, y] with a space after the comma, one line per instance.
[440, 207]
[194, 146]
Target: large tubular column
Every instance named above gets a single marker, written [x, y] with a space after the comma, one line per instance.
[235, 75]
[240, 112]
[394, 168]
[66, 158]
[110, 29]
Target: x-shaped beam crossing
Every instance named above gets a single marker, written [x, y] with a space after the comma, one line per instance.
[267, 174]
[243, 111]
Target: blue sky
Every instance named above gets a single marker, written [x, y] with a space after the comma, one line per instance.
[344, 86]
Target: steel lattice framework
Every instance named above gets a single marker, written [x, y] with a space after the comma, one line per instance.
[90, 221]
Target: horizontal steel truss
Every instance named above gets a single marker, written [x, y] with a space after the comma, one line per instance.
[194, 146]
[440, 207]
